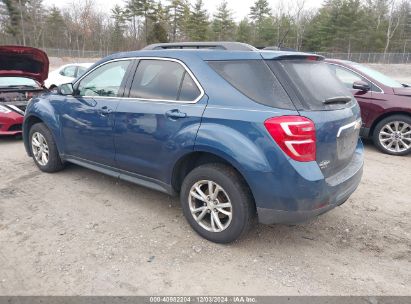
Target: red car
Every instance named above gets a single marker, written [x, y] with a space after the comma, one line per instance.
[22, 74]
[385, 105]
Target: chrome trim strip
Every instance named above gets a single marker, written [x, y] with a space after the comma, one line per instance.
[200, 88]
[15, 109]
[356, 124]
[362, 76]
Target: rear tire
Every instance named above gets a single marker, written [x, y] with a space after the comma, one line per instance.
[44, 149]
[223, 214]
[392, 135]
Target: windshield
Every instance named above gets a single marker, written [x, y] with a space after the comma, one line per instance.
[385, 80]
[17, 81]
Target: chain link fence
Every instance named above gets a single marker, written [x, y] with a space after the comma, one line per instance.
[76, 53]
[388, 58]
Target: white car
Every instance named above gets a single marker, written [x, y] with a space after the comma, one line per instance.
[66, 74]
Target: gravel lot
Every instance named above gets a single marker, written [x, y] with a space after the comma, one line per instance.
[80, 232]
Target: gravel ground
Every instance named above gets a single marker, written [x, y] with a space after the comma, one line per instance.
[79, 232]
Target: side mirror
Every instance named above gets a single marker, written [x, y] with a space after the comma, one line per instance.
[65, 89]
[361, 86]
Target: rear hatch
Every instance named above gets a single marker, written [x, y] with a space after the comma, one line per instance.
[318, 95]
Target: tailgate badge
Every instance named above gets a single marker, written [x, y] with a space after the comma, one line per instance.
[324, 164]
[358, 124]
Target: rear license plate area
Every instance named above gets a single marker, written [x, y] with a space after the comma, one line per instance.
[347, 142]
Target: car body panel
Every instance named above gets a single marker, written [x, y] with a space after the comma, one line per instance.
[11, 123]
[143, 127]
[84, 123]
[139, 143]
[337, 133]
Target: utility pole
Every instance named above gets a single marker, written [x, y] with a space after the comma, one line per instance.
[22, 23]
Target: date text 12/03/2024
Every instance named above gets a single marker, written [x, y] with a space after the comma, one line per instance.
[199, 299]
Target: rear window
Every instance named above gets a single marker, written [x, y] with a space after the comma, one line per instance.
[315, 83]
[254, 79]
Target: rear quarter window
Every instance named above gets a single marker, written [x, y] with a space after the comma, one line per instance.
[254, 79]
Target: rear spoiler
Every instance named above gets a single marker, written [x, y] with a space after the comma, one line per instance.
[280, 55]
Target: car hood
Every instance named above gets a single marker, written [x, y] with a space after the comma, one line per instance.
[21, 61]
[402, 91]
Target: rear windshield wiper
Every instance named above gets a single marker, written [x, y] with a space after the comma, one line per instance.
[337, 99]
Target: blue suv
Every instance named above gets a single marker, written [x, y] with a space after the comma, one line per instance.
[235, 131]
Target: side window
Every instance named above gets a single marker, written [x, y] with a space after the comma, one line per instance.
[105, 80]
[348, 78]
[163, 80]
[69, 71]
[254, 79]
[189, 90]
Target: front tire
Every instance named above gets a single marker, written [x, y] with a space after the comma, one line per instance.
[217, 203]
[44, 149]
[392, 135]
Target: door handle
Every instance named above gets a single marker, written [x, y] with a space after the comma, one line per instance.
[106, 111]
[175, 114]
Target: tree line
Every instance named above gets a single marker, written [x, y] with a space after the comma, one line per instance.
[345, 26]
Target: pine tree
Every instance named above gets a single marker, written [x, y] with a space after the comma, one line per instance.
[244, 32]
[259, 11]
[198, 22]
[14, 26]
[117, 37]
[144, 9]
[55, 28]
[223, 25]
[260, 14]
[160, 20]
[179, 13]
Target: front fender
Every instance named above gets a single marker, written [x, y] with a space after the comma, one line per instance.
[41, 110]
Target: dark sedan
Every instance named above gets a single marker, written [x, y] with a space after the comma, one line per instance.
[385, 105]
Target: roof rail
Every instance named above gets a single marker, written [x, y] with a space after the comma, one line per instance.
[220, 45]
[278, 48]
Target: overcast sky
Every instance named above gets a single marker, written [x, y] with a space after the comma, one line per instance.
[240, 8]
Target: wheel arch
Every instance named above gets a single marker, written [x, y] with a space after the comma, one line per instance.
[194, 159]
[28, 123]
[384, 116]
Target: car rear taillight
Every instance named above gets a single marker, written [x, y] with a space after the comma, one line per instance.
[295, 135]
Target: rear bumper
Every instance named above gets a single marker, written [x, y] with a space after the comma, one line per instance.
[271, 216]
[365, 132]
[11, 123]
[306, 194]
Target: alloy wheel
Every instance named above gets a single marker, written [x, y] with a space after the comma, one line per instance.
[210, 206]
[40, 148]
[395, 136]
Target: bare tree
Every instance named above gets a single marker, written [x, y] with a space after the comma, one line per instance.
[393, 23]
[299, 25]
